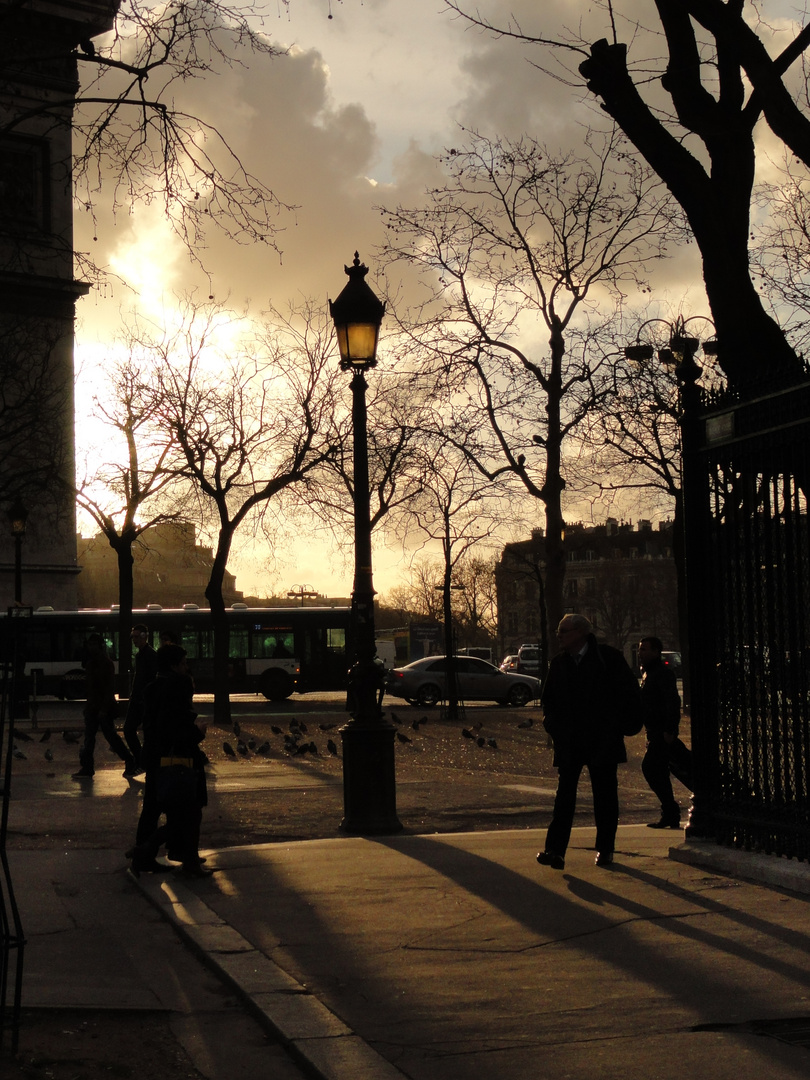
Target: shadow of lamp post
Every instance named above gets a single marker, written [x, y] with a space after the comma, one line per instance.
[369, 781]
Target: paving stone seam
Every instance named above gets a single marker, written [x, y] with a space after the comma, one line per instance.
[313, 1035]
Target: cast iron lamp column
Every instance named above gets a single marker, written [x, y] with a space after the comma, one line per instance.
[17, 516]
[369, 781]
[696, 528]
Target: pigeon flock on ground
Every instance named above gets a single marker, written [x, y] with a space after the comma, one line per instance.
[295, 741]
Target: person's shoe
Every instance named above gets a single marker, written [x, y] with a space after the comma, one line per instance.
[548, 858]
[604, 858]
[148, 866]
[173, 857]
[132, 768]
[83, 774]
[195, 870]
[665, 823]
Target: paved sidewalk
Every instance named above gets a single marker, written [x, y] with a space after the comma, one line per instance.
[459, 958]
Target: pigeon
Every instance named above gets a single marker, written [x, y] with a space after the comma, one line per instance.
[69, 737]
[313, 749]
[492, 743]
[49, 754]
[45, 735]
[293, 725]
[526, 723]
[467, 733]
[23, 736]
[481, 740]
[302, 726]
[330, 746]
[415, 725]
[236, 728]
[423, 720]
[229, 750]
[326, 727]
[264, 748]
[302, 749]
[275, 729]
[402, 737]
[395, 718]
[251, 744]
[19, 754]
[243, 750]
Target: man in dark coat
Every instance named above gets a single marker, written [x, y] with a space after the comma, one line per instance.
[590, 700]
[145, 670]
[174, 765]
[661, 706]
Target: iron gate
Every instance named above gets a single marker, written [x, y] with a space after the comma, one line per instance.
[746, 487]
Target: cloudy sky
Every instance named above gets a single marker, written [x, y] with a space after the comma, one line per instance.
[350, 119]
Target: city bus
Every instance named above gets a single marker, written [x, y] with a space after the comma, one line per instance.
[273, 651]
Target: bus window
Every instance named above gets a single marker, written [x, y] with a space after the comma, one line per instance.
[336, 639]
[273, 644]
[238, 643]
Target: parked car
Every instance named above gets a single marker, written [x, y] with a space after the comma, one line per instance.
[529, 659]
[509, 663]
[424, 682]
[672, 660]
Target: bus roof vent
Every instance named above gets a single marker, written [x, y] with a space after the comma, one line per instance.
[45, 607]
[154, 607]
[191, 607]
[238, 607]
[115, 607]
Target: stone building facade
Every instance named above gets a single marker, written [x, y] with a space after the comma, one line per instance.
[170, 569]
[38, 291]
[619, 576]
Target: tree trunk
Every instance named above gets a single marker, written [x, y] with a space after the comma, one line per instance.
[552, 490]
[219, 620]
[123, 550]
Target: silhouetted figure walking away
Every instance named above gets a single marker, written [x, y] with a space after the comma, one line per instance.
[101, 708]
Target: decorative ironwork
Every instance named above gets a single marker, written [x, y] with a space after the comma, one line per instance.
[748, 574]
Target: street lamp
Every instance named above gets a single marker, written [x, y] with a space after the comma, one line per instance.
[17, 516]
[695, 533]
[369, 781]
[304, 591]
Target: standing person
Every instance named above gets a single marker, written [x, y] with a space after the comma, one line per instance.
[100, 710]
[174, 763]
[661, 708]
[590, 700]
[145, 671]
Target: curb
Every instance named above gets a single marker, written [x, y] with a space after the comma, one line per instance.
[314, 1036]
[749, 865]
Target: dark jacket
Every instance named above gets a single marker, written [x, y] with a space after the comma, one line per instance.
[589, 707]
[660, 700]
[168, 728]
[146, 666]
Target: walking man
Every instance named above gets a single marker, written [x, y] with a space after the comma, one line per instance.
[661, 706]
[590, 700]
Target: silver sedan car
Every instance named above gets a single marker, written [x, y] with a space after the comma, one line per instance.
[424, 682]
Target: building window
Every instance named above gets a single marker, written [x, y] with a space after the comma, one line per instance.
[571, 588]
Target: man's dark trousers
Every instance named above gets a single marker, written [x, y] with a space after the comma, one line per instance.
[604, 785]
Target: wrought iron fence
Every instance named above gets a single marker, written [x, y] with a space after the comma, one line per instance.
[748, 568]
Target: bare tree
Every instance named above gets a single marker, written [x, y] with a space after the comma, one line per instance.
[517, 245]
[133, 139]
[248, 427]
[139, 490]
[719, 80]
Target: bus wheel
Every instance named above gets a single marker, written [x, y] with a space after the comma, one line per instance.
[276, 685]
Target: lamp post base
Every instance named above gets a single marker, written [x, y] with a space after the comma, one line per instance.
[369, 782]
